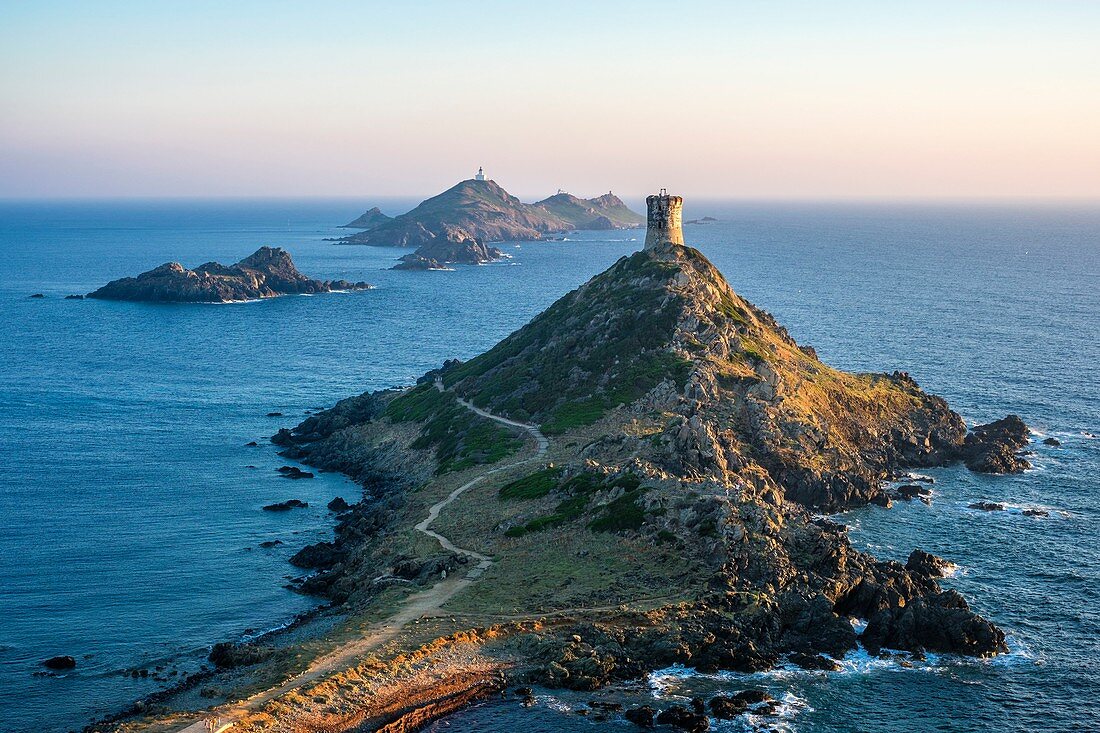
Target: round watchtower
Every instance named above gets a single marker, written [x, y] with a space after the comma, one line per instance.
[663, 220]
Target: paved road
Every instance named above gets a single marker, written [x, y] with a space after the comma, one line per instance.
[415, 606]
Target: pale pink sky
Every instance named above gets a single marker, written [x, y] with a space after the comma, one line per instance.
[749, 99]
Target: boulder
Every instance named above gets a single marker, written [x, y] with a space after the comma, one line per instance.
[987, 506]
[1052, 441]
[642, 716]
[338, 505]
[725, 707]
[60, 663]
[322, 555]
[293, 472]
[283, 506]
[817, 662]
[680, 717]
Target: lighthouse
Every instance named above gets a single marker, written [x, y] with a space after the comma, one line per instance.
[480, 174]
[664, 216]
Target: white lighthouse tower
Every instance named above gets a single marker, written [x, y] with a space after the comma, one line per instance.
[480, 174]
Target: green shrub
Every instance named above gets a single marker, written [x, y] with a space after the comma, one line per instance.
[533, 486]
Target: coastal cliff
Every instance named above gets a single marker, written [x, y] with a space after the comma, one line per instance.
[266, 273]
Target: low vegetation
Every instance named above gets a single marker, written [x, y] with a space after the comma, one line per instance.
[623, 513]
[461, 438]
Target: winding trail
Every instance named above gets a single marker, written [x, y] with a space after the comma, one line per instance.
[415, 607]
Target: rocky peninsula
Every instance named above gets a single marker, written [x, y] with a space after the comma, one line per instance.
[630, 481]
[456, 225]
[266, 273]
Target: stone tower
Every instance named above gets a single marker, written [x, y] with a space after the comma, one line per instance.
[664, 219]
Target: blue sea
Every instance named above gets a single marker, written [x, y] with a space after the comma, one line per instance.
[130, 510]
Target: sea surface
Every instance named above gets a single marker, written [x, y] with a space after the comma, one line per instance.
[130, 506]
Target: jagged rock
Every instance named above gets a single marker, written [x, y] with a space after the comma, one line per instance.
[1052, 441]
[266, 273]
[814, 662]
[456, 247]
[37, 296]
[74, 297]
[1032, 512]
[925, 563]
[725, 707]
[338, 505]
[680, 717]
[271, 543]
[642, 716]
[909, 492]
[227, 655]
[936, 623]
[987, 506]
[322, 555]
[994, 447]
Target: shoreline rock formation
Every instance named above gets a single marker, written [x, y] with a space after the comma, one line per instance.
[266, 273]
[673, 520]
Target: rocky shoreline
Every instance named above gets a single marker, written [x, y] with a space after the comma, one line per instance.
[266, 273]
[674, 519]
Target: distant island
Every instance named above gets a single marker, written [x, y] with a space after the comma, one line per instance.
[458, 224]
[266, 273]
[633, 480]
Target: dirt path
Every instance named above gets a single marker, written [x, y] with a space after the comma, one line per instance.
[416, 606]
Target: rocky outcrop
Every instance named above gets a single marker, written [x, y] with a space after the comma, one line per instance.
[61, 663]
[995, 447]
[457, 248]
[369, 220]
[287, 505]
[266, 273]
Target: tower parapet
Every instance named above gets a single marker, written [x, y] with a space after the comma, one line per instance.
[664, 219]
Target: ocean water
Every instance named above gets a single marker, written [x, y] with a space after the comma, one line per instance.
[130, 522]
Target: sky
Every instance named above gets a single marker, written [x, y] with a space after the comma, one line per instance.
[762, 99]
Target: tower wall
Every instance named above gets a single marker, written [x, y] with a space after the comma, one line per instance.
[664, 219]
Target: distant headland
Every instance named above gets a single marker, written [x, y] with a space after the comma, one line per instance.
[457, 225]
[266, 273]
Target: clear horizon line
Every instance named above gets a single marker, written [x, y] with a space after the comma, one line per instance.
[367, 197]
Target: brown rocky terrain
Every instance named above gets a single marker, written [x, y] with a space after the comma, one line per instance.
[266, 273]
[666, 520]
